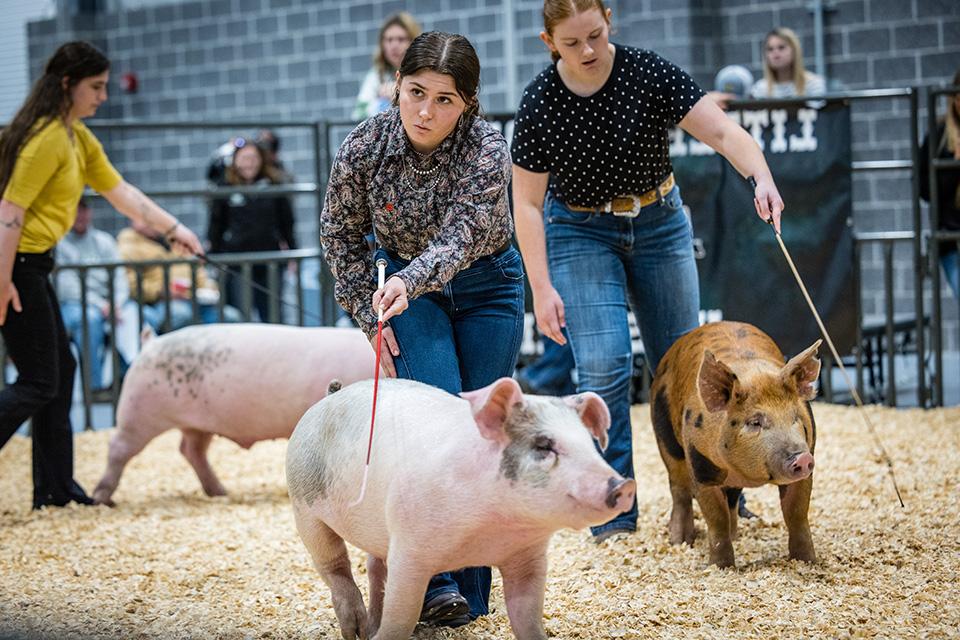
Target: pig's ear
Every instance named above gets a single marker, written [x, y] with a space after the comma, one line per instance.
[594, 414]
[715, 383]
[491, 406]
[804, 369]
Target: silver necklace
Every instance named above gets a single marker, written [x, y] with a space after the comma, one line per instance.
[422, 174]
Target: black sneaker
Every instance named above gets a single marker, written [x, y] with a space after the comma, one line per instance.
[742, 510]
[444, 608]
[453, 623]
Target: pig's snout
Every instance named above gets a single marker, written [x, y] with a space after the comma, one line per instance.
[620, 492]
[800, 465]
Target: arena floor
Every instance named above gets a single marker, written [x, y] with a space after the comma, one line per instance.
[171, 563]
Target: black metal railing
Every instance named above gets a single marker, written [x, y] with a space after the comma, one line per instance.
[878, 340]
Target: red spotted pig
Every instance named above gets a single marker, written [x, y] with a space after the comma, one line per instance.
[246, 382]
[728, 414]
[479, 480]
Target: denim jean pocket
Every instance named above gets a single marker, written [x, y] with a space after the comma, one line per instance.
[560, 214]
[673, 200]
[511, 265]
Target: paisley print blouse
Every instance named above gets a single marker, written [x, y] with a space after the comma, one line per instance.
[441, 211]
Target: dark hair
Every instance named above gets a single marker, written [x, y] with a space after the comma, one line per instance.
[450, 54]
[48, 98]
[268, 171]
[268, 140]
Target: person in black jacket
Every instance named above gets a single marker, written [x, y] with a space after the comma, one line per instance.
[250, 222]
[948, 184]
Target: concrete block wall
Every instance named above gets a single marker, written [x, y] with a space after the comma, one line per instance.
[261, 60]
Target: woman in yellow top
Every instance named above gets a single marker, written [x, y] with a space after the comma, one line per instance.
[47, 155]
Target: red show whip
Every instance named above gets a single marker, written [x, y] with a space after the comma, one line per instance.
[381, 268]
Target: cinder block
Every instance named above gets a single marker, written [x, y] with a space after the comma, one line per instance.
[870, 40]
[918, 36]
[481, 24]
[940, 65]
[894, 71]
[360, 12]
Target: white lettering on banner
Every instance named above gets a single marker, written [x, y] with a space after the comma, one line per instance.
[678, 146]
[778, 143]
[807, 141]
[754, 122]
[757, 122]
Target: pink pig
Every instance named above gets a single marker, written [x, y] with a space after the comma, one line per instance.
[479, 480]
[246, 382]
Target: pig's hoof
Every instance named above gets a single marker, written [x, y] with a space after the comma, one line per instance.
[805, 555]
[444, 607]
[102, 497]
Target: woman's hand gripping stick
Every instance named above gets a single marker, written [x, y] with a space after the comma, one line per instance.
[381, 272]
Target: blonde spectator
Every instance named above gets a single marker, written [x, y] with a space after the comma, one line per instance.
[379, 85]
[784, 75]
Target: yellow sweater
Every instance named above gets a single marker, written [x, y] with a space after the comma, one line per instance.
[48, 179]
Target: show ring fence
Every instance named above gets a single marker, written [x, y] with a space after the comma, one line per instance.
[308, 297]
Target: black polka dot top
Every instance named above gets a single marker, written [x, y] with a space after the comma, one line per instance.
[611, 143]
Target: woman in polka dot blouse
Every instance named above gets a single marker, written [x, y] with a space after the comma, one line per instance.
[611, 230]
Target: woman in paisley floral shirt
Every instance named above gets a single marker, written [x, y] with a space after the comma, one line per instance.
[429, 179]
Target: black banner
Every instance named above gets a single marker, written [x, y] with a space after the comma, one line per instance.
[743, 273]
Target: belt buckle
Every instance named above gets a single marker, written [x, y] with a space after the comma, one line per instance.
[633, 212]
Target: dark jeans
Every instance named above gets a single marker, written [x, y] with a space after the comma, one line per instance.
[462, 338]
[38, 345]
[603, 266]
[552, 373]
[236, 284]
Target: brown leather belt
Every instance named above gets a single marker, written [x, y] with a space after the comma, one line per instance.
[629, 206]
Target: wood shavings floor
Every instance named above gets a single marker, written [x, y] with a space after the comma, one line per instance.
[169, 562]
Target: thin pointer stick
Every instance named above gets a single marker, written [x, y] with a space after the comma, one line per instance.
[833, 350]
[381, 267]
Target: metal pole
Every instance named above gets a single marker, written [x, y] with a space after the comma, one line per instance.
[327, 301]
[509, 52]
[936, 336]
[114, 352]
[918, 257]
[858, 311]
[888, 323]
[86, 357]
[821, 67]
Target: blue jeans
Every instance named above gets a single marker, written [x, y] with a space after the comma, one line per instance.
[462, 338]
[951, 271]
[551, 373]
[72, 313]
[601, 263]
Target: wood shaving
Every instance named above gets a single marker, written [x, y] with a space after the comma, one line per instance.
[169, 562]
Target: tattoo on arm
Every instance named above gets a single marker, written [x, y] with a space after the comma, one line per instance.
[12, 224]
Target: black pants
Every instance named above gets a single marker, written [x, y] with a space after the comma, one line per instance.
[236, 284]
[38, 345]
